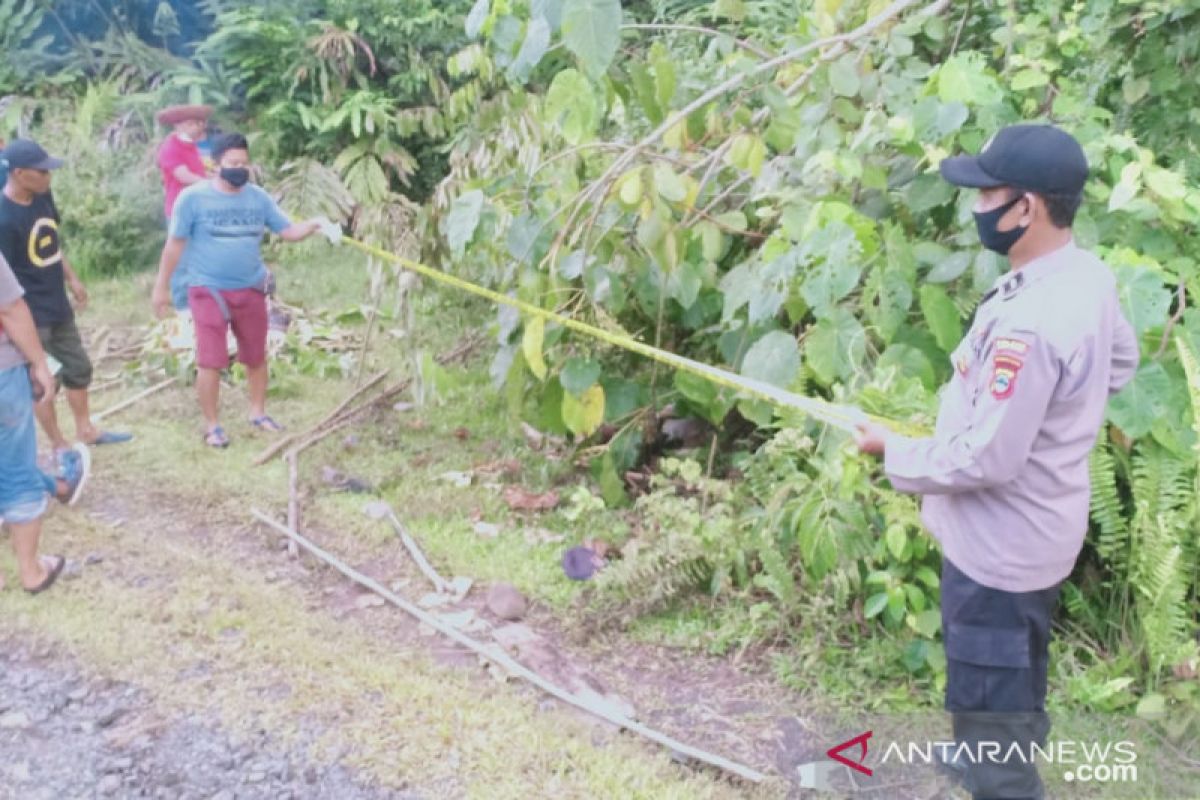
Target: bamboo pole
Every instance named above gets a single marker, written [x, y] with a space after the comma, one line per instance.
[136, 398]
[498, 656]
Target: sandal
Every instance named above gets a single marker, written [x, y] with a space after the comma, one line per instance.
[265, 423]
[216, 437]
[51, 575]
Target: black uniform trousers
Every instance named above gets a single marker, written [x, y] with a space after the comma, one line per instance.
[997, 655]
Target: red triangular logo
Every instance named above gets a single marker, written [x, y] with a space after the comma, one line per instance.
[835, 753]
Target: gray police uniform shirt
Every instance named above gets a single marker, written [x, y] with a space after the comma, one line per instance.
[10, 292]
[1005, 475]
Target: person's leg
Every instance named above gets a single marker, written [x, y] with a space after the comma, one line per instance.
[32, 570]
[47, 415]
[996, 667]
[248, 311]
[212, 356]
[256, 381]
[208, 393]
[23, 487]
[66, 345]
[85, 431]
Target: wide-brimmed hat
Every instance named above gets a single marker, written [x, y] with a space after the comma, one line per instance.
[173, 115]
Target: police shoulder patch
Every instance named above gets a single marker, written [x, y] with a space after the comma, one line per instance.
[1005, 367]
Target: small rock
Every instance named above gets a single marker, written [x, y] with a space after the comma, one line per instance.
[377, 509]
[460, 586]
[512, 637]
[461, 620]
[506, 602]
[79, 695]
[109, 717]
[92, 559]
[311, 776]
[434, 599]
[370, 601]
[123, 764]
[404, 406]
[14, 720]
[256, 777]
[109, 785]
[458, 479]
[488, 530]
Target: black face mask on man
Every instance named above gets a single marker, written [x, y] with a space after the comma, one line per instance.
[236, 177]
[990, 235]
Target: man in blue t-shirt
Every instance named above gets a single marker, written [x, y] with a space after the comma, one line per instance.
[216, 235]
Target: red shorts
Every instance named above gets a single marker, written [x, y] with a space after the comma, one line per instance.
[247, 315]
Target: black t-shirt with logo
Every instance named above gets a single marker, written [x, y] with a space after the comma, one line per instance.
[30, 244]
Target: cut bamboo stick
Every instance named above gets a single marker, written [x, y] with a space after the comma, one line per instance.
[124, 404]
[498, 656]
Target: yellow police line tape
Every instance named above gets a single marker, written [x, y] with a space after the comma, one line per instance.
[840, 416]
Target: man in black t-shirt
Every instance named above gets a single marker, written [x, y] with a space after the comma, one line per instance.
[30, 243]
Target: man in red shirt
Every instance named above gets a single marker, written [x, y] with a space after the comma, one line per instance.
[181, 164]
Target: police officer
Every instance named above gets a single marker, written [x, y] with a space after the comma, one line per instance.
[1005, 474]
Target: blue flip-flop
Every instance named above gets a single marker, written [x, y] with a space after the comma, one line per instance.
[216, 438]
[265, 423]
[108, 437]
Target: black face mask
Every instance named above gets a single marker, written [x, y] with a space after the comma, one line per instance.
[236, 177]
[994, 239]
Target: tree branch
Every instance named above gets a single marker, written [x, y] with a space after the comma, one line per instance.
[742, 43]
[600, 186]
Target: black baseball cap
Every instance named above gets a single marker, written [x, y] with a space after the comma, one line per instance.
[1034, 158]
[26, 154]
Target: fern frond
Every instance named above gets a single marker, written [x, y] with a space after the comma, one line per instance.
[1108, 512]
[1191, 368]
[648, 582]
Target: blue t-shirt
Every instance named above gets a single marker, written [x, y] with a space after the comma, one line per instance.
[224, 234]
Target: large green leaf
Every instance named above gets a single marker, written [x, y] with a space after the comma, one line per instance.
[571, 106]
[549, 10]
[942, 316]
[1136, 407]
[621, 398]
[579, 374]
[774, 359]
[908, 360]
[534, 46]
[477, 16]
[592, 31]
[1144, 298]
[889, 290]
[582, 415]
[531, 346]
[950, 268]
[463, 219]
[835, 346]
[964, 78]
[838, 269]
[843, 75]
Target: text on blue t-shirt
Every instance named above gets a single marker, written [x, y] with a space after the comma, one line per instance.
[224, 234]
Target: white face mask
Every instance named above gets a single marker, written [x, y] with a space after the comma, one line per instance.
[184, 137]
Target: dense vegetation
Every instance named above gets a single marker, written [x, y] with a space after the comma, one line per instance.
[749, 184]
